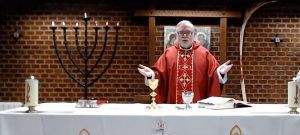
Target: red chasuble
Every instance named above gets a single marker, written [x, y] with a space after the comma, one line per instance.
[186, 70]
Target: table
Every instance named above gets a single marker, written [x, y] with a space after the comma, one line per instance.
[134, 119]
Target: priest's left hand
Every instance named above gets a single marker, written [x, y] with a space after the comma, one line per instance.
[224, 68]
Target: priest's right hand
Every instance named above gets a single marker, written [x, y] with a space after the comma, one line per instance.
[145, 71]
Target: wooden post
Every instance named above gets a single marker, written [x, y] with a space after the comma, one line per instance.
[152, 41]
[223, 40]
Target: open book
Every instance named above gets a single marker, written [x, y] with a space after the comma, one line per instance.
[217, 103]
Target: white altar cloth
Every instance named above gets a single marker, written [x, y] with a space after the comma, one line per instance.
[134, 119]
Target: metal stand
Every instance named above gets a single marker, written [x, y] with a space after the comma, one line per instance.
[85, 55]
[83, 103]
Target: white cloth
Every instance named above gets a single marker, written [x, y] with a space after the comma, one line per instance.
[134, 119]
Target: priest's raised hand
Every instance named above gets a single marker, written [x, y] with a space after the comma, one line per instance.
[224, 68]
[146, 72]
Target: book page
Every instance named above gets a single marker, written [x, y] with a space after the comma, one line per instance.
[216, 100]
[221, 103]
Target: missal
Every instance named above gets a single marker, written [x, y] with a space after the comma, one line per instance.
[218, 103]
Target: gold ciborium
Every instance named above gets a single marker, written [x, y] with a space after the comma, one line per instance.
[153, 85]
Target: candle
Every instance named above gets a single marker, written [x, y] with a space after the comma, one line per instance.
[31, 92]
[106, 23]
[293, 95]
[96, 23]
[63, 23]
[53, 23]
[297, 79]
[76, 24]
[85, 15]
[117, 23]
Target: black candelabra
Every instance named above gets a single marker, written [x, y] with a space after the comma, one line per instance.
[86, 54]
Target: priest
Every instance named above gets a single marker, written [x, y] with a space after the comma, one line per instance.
[186, 66]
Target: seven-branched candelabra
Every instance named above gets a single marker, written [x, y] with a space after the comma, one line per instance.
[86, 55]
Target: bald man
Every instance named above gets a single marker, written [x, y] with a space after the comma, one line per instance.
[186, 66]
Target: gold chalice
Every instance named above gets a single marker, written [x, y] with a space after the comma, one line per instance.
[153, 85]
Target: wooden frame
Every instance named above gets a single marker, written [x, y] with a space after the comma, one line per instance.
[187, 13]
[223, 15]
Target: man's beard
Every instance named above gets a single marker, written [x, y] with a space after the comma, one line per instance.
[185, 45]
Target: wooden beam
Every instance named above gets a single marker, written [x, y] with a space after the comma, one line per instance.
[187, 13]
[152, 41]
[223, 39]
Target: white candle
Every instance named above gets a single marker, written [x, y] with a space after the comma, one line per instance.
[76, 24]
[293, 94]
[31, 92]
[96, 23]
[297, 79]
[63, 23]
[106, 23]
[53, 23]
[85, 15]
[117, 23]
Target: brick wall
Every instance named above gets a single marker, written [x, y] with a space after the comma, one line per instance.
[267, 67]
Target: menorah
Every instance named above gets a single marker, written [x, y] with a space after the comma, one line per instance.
[86, 55]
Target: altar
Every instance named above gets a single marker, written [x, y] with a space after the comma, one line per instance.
[135, 119]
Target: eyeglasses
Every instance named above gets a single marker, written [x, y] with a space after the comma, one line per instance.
[185, 33]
